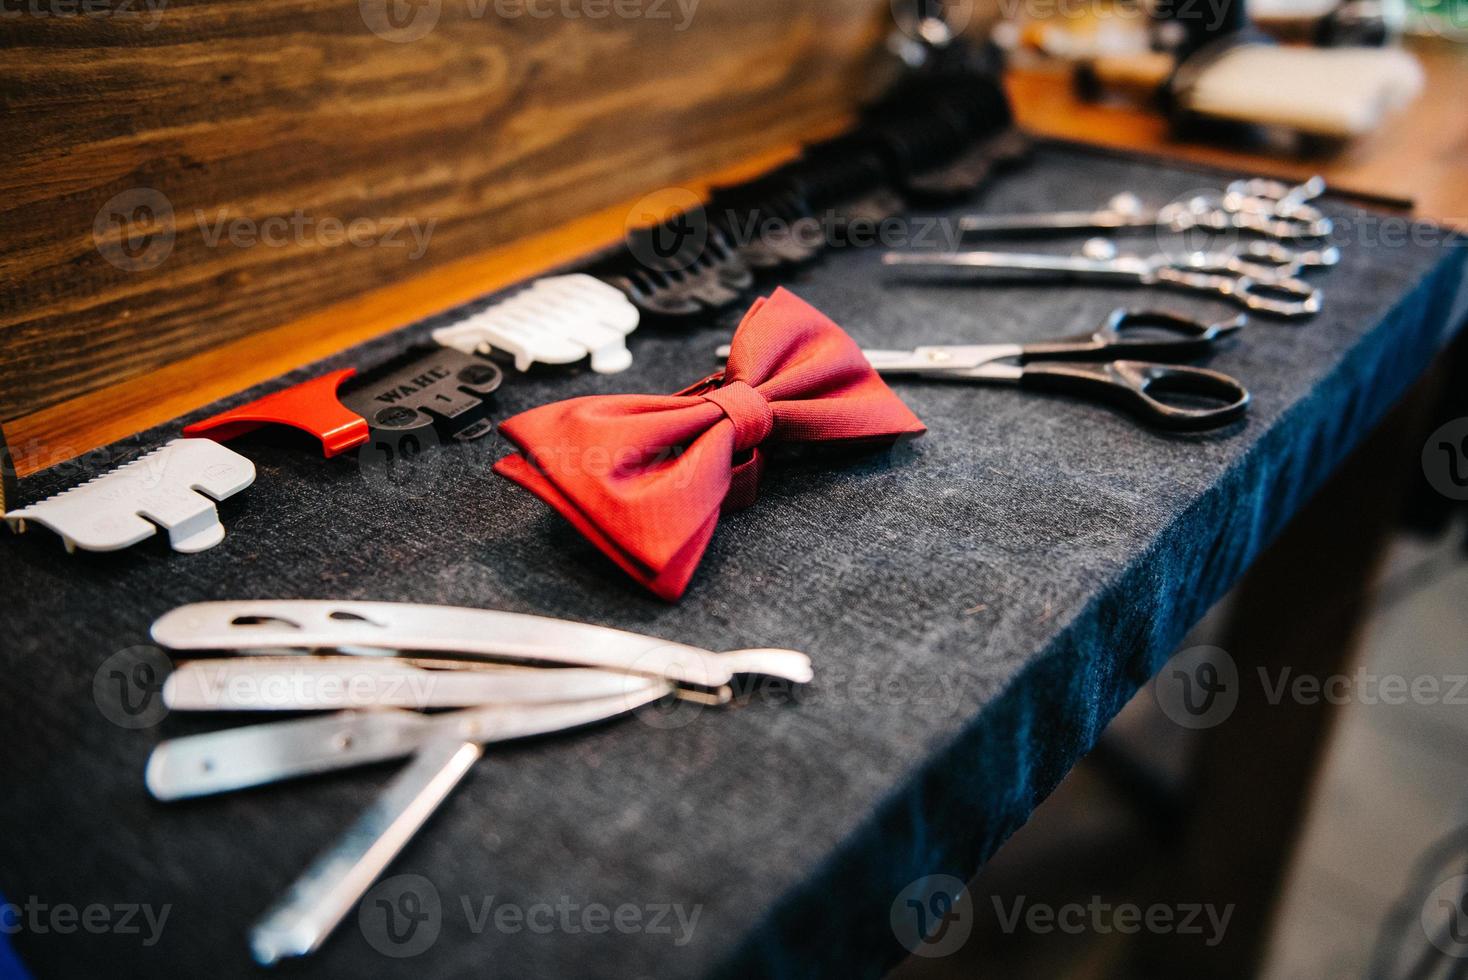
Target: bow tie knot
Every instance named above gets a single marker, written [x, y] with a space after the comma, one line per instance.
[750, 412]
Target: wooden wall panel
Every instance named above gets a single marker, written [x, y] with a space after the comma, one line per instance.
[270, 126]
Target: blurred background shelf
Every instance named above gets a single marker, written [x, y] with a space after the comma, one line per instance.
[1420, 156]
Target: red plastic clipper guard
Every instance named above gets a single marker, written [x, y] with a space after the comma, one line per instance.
[311, 406]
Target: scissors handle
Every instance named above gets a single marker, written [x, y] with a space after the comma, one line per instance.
[1283, 297]
[1290, 261]
[1272, 219]
[1304, 222]
[1263, 193]
[1136, 385]
[1137, 335]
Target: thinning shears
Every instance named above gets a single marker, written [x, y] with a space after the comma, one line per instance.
[1263, 207]
[1115, 363]
[1262, 281]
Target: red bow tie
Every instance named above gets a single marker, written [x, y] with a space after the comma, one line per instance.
[645, 477]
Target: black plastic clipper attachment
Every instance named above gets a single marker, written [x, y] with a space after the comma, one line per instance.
[442, 391]
[714, 278]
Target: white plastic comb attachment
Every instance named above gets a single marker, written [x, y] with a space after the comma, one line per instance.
[558, 320]
[167, 488]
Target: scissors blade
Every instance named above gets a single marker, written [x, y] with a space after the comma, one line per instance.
[1081, 266]
[927, 360]
[238, 758]
[274, 683]
[1057, 221]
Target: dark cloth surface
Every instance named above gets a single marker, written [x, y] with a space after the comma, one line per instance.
[978, 603]
[10, 965]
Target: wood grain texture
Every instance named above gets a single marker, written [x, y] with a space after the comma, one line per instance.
[104, 415]
[271, 127]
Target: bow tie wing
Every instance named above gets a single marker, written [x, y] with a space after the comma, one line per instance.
[642, 477]
[819, 385]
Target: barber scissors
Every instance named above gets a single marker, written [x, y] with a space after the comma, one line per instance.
[1267, 262]
[1250, 280]
[1112, 364]
[1264, 207]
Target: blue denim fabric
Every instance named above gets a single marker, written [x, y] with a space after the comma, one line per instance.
[978, 604]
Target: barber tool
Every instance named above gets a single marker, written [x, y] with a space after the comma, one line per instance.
[174, 487]
[478, 660]
[381, 629]
[558, 320]
[679, 285]
[257, 755]
[1109, 365]
[303, 918]
[440, 389]
[770, 221]
[936, 127]
[1262, 207]
[961, 177]
[311, 406]
[673, 463]
[1267, 261]
[315, 683]
[846, 181]
[443, 748]
[859, 180]
[1276, 293]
